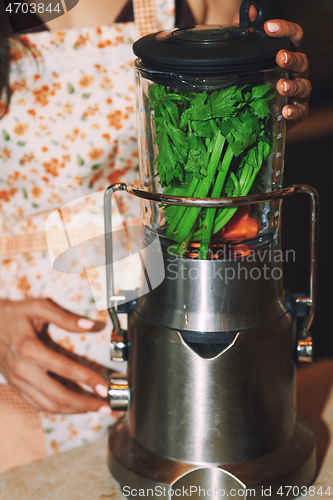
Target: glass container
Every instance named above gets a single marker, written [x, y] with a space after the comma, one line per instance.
[210, 126]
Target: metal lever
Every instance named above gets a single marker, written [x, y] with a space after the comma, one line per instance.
[119, 394]
[118, 346]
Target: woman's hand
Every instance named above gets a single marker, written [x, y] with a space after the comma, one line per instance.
[297, 87]
[25, 361]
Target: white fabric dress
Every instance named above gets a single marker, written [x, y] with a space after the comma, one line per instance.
[70, 132]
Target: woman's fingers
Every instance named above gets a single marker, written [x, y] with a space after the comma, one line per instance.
[296, 112]
[300, 88]
[279, 28]
[32, 352]
[296, 62]
[34, 399]
[25, 360]
[297, 88]
[51, 396]
[47, 311]
[33, 395]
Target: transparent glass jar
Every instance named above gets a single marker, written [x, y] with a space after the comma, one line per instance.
[211, 136]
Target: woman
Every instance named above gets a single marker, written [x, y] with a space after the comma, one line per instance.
[69, 132]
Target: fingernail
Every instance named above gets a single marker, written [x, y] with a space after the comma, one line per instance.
[273, 27]
[285, 58]
[101, 390]
[105, 409]
[290, 111]
[85, 323]
[286, 86]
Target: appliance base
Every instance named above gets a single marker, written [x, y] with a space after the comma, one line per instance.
[283, 473]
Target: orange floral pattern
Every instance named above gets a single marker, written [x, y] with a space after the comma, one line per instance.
[21, 128]
[43, 94]
[52, 167]
[95, 153]
[86, 81]
[69, 132]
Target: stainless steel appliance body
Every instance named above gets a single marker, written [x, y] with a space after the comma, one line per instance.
[210, 393]
[226, 423]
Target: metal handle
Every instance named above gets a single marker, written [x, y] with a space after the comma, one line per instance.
[304, 344]
[244, 14]
[236, 201]
[111, 298]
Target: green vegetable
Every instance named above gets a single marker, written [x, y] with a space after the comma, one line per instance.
[209, 145]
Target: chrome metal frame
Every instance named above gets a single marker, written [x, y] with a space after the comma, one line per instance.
[237, 201]
[310, 300]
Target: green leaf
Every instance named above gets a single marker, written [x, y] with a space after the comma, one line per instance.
[185, 118]
[179, 140]
[95, 167]
[173, 112]
[260, 91]
[260, 108]
[25, 193]
[79, 161]
[198, 157]
[35, 205]
[176, 189]
[21, 143]
[219, 104]
[241, 132]
[5, 135]
[202, 128]
[70, 88]
[243, 94]
[199, 107]
[223, 102]
[156, 93]
[86, 95]
[168, 166]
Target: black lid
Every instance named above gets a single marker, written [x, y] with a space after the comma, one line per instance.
[209, 50]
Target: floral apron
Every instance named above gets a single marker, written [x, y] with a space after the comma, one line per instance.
[70, 132]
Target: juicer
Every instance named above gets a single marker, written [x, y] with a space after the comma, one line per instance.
[213, 339]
